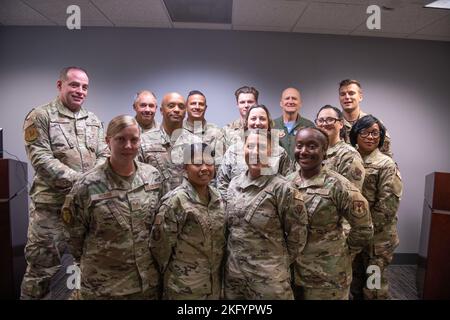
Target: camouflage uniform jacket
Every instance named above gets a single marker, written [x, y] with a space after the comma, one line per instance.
[266, 222]
[61, 146]
[345, 160]
[207, 133]
[233, 164]
[165, 153]
[233, 132]
[383, 190]
[155, 126]
[108, 219]
[326, 260]
[386, 148]
[188, 243]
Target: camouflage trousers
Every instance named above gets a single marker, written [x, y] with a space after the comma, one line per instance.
[362, 261]
[305, 293]
[250, 289]
[46, 244]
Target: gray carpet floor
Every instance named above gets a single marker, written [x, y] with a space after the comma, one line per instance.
[402, 279]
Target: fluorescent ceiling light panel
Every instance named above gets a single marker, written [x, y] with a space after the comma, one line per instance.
[439, 4]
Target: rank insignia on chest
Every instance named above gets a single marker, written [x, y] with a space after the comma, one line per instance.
[135, 204]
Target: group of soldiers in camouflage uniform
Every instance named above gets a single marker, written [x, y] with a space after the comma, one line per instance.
[260, 209]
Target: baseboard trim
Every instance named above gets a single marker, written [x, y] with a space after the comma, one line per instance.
[404, 258]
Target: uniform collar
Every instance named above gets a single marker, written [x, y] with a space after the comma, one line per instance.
[259, 182]
[371, 158]
[332, 150]
[236, 124]
[115, 182]
[316, 181]
[347, 124]
[193, 194]
[82, 113]
[190, 127]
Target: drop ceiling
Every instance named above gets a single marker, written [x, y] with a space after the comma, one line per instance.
[406, 19]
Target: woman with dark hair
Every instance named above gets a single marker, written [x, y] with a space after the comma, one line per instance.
[383, 189]
[266, 225]
[188, 236]
[323, 268]
[341, 157]
[233, 162]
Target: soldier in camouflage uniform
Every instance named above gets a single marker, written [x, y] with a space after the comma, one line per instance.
[62, 140]
[108, 214]
[245, 97]
[233, 162]
[291, 121]
[197, 130]
[382, 189]
[324, 267]
[162, 148]
[266, 223]
[188, 236]
[350, 96]
[341, 157]
[145, 106]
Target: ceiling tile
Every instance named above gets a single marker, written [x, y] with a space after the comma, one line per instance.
[17, 13]
[261, 28]
[407, 19]
[135, 13]
[440, 27]
[321, 30]
[267, 13]
[429, 37]
[211, 26]
[373, 33]
[56, 10]
[332, 16]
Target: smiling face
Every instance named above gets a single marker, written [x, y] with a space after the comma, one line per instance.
[368, 139]
[291, 101]
[196, 107]
[73, 89]
[310, 150]
[201, 171]
[258, 119]
[328, 121]
[145, 107]
[124, 145]
[257, 149]
[349, 97]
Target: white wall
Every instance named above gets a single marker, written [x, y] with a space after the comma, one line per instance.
[405, 82]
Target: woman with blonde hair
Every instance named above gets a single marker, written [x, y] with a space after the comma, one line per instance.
[108, 215]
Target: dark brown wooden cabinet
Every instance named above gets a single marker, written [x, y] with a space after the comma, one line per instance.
[433, 272]
[13, 226]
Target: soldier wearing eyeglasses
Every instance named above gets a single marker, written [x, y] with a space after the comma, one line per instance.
[383, 189]
[350, 96]
[341, 157]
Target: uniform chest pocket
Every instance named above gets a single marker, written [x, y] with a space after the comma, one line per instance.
[61, 133]
[263, 214]
[92, 133]
[370, 187]
[108, 216]
[158, 157]
[320, 207]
